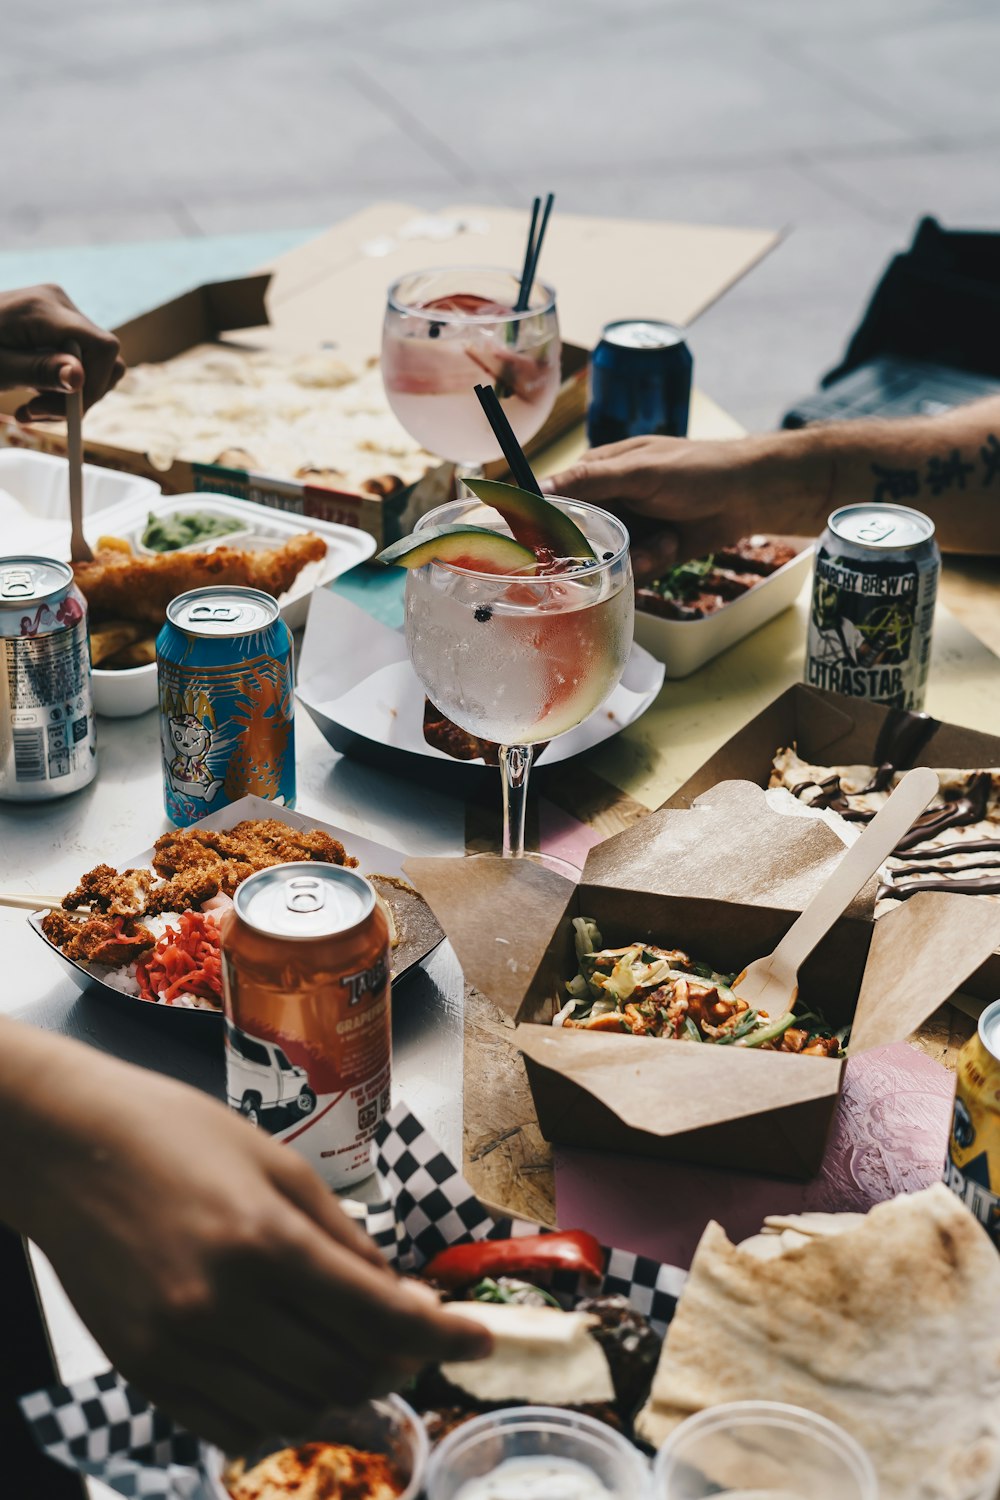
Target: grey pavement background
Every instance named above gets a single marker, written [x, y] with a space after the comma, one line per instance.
[841, 121]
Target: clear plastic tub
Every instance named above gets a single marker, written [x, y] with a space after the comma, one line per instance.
[762, 1450]
[388, 1426]
[563, 1442]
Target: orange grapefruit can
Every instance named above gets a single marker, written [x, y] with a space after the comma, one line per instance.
[306, 990]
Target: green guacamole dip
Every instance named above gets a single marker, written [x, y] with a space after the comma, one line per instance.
[167, 533]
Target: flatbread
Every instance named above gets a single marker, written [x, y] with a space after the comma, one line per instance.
[284, 415]
[540, 1355]
[917, 867]
[890, 1327]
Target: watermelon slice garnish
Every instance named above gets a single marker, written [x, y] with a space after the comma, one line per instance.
[535, 521]
[475, 548]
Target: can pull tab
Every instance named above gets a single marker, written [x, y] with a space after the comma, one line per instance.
[225, 614]
[304, 893]
[875, 530]
[17, 583]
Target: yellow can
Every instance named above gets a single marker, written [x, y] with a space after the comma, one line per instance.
[972, 1169]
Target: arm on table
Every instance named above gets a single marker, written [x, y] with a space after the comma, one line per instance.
[212, 1265]
[685, 498]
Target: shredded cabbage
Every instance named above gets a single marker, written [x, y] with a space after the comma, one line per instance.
[586, 936]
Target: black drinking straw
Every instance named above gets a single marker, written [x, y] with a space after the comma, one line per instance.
[526, 278]
[532, 252]
[509, 445]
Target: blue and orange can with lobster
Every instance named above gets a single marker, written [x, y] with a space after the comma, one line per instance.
[48, 746]
[227, 698]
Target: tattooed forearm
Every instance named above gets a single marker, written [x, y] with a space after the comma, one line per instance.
[941, 472]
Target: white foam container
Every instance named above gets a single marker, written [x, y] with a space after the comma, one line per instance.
[38, 521]
[132, 690]
[685, 645]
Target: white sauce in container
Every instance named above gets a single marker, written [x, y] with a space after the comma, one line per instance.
[536, 1478]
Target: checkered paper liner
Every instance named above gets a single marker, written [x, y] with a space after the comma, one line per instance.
[104, 1428]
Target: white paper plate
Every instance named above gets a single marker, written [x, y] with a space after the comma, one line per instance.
[356, 681]
[419, 932]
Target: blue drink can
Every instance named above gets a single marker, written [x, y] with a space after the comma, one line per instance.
[640, 382]
[226, 689]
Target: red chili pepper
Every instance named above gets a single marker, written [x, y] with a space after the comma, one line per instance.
[570, 1250]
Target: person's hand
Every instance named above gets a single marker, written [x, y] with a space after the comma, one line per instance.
[679, 498]
[214, 1267]
[36, 326]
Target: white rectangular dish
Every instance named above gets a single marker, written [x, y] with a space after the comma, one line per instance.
[685, 645]
[131, 691]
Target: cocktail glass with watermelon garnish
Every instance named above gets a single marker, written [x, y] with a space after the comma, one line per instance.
[446, 332]
[519, 614]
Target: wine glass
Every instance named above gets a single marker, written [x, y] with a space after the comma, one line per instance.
[762, 1450]
[519, 659]
[448, 330]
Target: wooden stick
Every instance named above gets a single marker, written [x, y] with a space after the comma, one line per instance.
[29, 901]
[78, 548]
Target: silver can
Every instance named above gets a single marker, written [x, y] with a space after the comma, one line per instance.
[48, 745]
[872, 615]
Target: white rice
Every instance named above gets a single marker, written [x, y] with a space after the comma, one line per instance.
[124, 979]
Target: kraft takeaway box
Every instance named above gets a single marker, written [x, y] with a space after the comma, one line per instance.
[330, 293]
[723, 880]
[831, 730]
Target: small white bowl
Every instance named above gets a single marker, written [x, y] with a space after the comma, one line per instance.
[126, 693]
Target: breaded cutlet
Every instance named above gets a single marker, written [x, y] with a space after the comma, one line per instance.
[105, 889]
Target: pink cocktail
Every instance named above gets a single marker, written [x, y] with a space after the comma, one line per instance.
[446, 332]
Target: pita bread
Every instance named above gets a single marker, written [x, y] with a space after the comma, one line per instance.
[890, 1328]
[540, 1354]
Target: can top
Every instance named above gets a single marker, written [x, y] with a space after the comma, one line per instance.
[225, 609]
[889, 528]
[642, 333]
[304, 900]
[31, 580]
[989, 1029]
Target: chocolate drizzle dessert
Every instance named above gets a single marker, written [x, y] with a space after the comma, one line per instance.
[953, 846]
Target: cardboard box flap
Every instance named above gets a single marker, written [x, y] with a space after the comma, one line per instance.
[334, 287]
[919, 956]
[499, 915]
[195, 317]
[668, 1088]
[729, 846]
[829, 722]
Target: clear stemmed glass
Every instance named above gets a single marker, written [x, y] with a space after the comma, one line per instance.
[519, 659]
[448, 330]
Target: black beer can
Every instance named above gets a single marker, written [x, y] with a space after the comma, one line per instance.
[640, 382]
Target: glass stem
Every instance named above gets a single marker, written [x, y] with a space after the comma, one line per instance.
[515, 763]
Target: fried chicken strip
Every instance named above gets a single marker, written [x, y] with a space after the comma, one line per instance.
[117, 895]
[255, 844]
[121, 587]
[99, 940]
